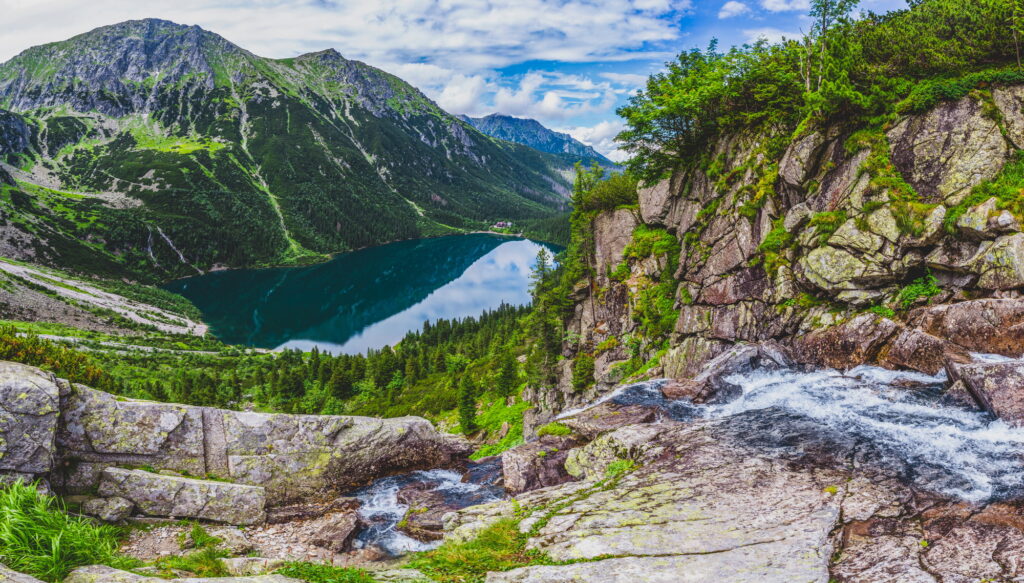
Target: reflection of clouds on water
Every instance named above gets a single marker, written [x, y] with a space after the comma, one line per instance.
[500, 276]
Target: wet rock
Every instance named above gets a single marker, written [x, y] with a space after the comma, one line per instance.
[113, 509]
[103, 574]
[998, 387]
[11, 576]
[171, 496]
[29, 408]
[990, 326]
[423, 520]
[336, 532]
[712, 384]
[957, 394]
[923, 352]
[947, 151]
[607, 417]
[854, 342]
[537, 464]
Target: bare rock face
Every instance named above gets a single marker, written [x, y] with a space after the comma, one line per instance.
[537, 464]
[998, 387]
[178, 497]
[945, 152]
[612, 232]
[29, 408]
[337, 531]
[922, 352]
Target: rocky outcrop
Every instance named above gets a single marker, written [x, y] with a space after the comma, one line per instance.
[78, 438]
[293, 457]
[179, 497]
[29, 409]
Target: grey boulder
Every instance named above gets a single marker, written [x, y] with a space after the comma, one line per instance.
[179, 497]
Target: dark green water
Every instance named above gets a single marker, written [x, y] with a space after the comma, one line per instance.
[364, 299]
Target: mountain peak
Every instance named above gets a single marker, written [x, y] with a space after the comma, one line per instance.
[532, 133]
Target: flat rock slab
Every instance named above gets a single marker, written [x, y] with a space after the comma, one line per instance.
[101, 574]
[179, 497]
[699, 510]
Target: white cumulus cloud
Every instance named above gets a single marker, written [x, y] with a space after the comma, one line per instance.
[785, 5]
[732, 8]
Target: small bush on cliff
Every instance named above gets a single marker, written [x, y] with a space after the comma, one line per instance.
[616, 191]
[1006, 187]
[38, 537]
[922, 287]
[582, 372]
[554, 429]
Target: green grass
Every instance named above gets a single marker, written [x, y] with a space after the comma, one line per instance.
[39, 538]
[1007, 188]
[204, 563]
[554, 429]
[316, 573]
[499, 547]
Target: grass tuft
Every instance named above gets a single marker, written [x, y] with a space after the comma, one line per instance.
[39, 538]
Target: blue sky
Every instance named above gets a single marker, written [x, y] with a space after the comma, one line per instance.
[567, 63]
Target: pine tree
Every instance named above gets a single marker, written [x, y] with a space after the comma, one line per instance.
[508, 375]
[467, 405]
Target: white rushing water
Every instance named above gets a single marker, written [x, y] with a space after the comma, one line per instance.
[382, 511]
[899, 416]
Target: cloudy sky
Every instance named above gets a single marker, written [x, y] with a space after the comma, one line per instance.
[567, 63]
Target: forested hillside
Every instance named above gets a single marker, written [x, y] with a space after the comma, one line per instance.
[158, 150]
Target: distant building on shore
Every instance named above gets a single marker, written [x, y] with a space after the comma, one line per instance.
[502, 225]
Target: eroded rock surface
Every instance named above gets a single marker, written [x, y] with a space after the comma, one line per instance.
[29, 407]
[179, 497]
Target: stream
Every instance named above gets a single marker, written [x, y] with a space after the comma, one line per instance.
[882, 422]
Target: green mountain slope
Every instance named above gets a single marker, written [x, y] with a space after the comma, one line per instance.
[160, 149]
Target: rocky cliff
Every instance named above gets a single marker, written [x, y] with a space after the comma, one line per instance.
[898, 245]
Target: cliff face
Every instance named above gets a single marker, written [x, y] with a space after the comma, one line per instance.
[899, 246]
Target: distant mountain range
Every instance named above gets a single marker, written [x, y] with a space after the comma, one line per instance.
[530, 132]
[154, 149]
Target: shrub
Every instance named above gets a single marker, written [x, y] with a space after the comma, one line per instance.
[922, 287]
[827, 223]
[616, 191]
[554, 429]
[583, 372]
[38, 537]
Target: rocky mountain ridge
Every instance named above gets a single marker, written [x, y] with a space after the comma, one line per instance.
[532, 133]
[156, 148]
